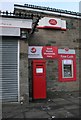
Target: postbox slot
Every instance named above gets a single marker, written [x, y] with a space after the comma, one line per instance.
[39, 65]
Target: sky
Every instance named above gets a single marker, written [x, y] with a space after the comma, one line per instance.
[70, 5]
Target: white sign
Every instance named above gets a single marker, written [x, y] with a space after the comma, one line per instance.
[67, 62]
[35, 52]
[39, 70]
[42, 52]
[15, 22]
[56, 23]
[66, 51]
[6, 31]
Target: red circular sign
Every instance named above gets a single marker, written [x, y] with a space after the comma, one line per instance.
[33, 50]
[66, 49]
[52, 21]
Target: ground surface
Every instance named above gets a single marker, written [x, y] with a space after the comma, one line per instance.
[59, 105]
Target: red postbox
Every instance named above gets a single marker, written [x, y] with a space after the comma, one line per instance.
[39, 79]
[67, 65]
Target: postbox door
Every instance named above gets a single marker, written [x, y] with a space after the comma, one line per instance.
[39, 79]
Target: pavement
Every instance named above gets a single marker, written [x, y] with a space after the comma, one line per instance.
[61, 105]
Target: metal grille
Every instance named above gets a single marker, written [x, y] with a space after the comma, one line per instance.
[10, 70]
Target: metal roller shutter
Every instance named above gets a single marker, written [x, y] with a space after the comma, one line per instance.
[10, 70]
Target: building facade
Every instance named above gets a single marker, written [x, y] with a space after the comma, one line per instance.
[53, 41]
[14, 32]
[64, 35]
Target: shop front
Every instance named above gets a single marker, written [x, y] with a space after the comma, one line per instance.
[48, 61]
[39, 56]
[56, 41]
[11, 36]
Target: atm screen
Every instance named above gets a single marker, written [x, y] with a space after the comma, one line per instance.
[67, 68]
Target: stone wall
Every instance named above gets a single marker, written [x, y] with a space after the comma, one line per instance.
[24, 85]
[50, 37]
[61, 39]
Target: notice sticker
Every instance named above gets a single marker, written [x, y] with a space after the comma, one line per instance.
[39, 70]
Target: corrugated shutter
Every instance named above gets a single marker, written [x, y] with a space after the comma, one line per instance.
[0, 69]
[10, 70]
